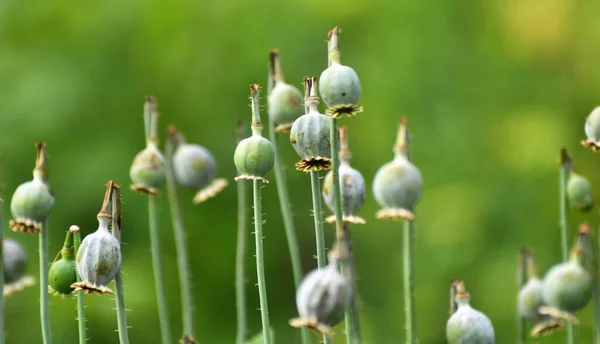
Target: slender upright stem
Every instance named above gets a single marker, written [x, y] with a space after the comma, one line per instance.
[80, 299]
[44, 296]
[596, 274]
[185, 283]
[1, 279]
[349, 270]
[410, 314]
[120, 294]
[318, 217]
[240, 285]
[163, 314]
[521, 277]
[565, 166]
[260, 262]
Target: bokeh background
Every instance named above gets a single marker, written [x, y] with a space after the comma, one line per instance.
[492, 90]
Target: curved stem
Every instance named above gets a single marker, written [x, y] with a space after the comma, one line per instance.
[260, 263]
[165, 331]
[564, 223]
[1, 279]
[409, 283]
[80, 299]
[119, 293]
[183, 267]
[44, 296]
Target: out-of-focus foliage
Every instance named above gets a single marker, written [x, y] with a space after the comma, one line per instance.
[492, 90]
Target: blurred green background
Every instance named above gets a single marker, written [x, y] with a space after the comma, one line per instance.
[492, 90]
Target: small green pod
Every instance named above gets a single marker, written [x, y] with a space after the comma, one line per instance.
[254, 157]
[339, 85]
[579, 193]
[530, 300]
[30, 206]
[148, 170]
[398, 184]
[194, 166]
[285, 105]
[592, 126]
[98, 260]
[322, 298]
[468, 325]
[62, 273]
[353, 192]
[567, 286]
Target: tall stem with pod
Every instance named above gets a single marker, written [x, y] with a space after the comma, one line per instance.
[119, 292]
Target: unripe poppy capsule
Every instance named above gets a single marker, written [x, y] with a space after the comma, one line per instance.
[579, 193]
[15, 265]
[468, 325]
[592, 130]
[63, 272]
[285, 100]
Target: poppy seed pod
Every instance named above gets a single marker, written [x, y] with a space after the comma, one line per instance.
[98, 260]
[62, 273]
[530, 297]
[285, 100]
[147, 171]
[592, 130]
[32, 201]
[254, 156]
[468, 325]
[579, 193]
[352, 186]
[567, 286]
[339, 84]
[15, 264]
[322, 298]
[397, 184]
[310, 135]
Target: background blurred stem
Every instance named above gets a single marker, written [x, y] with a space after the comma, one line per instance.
[282, 193]
[119, 294]
[240, 286]
[409, 282]
[521, 277]
[163, 314]
[44, 296]
[565, 166]
[185, 283]
[260, 263]
[80, 296]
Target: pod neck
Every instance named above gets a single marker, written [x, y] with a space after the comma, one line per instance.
[275, 67]
[344, 154]
[311, 98]
[402, 146]
[256, 125]
[67, 250]
[39, 172]
[103, 223]
[333, 50]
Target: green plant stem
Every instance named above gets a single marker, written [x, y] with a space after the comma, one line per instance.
[349, 270]
[44, 296]
[183, 266]
[120, 293]
[521, 277]
[260, 262]
[1, 279]
[564, 225]
[240, 286]
[80, 296]
[410, 313]
[165, 331]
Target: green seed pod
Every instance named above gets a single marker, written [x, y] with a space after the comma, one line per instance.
[530, 300]
[322, 298]
[254, 156]
[310, 134]
[567, 286]
[62, 273]
[592, 130]
[285, 100]
[352, 186]
[32, 201]
[339, 84]
[579, 193]
[15, 266]
[397, 184]
[98, 260]
[468, 325]
[148, 170]
[194, 166]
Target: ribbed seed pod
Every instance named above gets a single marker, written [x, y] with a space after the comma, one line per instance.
[579, 192]
[397, 184]
[322, 298]
[194, 168]
[592, 130]
[254, 156]
[98, 260]
[353, 190]
[63, 272]
[147, 171]
[530, 297]
[339, 84]
[15, 265]
[567, 286]
[32, 201]
[310, 134]
[285, 100]
[468, 325]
